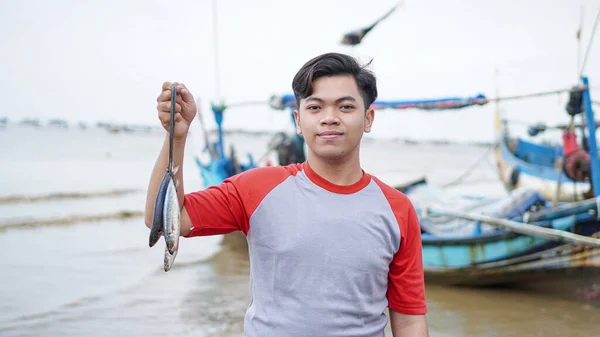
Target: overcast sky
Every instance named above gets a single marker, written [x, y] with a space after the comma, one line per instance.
[106, 60]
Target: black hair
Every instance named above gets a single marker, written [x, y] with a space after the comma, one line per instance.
[332, 64]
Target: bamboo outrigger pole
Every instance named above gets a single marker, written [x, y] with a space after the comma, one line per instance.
[520, 227]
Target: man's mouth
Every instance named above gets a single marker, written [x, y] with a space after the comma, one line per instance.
[330, 134]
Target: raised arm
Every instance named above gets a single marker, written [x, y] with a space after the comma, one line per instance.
[219, 209]
[185, 111]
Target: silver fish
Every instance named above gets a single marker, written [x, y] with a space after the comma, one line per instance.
[170, 203]
[171, 218]
[157, 221]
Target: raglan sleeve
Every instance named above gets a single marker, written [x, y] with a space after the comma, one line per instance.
[227, 207]
[406, 283]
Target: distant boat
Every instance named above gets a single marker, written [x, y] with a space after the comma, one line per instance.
[31, 121]
[61, 123]
[523, 163]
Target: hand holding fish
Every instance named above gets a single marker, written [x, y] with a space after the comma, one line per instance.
[185, 109]
[165, 219]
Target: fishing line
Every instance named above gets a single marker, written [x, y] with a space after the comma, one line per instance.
[172, 126]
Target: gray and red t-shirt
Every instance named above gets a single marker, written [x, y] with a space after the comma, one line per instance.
[325, 259]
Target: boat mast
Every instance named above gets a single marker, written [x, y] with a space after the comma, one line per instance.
[591, 139]
[219, 108]
[217, 74]
[589, 117]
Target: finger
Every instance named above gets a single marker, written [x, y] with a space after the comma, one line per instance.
[166, 86]
[178, 118]
[185, 93]
[165, 107]
[165, 119]
[179, 100]
[164, 96]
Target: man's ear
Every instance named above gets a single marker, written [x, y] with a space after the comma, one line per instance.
[369, 117]
[297, 121]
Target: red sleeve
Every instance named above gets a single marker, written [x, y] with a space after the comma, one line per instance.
[406, 283]
[227, 207]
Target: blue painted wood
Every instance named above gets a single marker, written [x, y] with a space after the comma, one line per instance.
[217, 170]
[449, 255]
[537, 154]
[543, 172]
[591, 131]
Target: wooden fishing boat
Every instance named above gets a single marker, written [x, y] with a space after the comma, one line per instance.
[220, 166]
[459, 250]
[511, 248]
[523, 163]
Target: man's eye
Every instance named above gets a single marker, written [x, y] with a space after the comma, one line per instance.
[312, 107]
[347, 107]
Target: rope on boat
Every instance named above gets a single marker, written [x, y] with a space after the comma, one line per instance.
[540, 94]
[470, 169]
[589, 47]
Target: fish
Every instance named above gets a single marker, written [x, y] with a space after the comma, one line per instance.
[171, 217]
[157, 221]
[167, 217]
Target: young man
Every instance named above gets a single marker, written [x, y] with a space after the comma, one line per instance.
[330, 246]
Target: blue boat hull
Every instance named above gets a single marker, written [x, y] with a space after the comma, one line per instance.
[215, 172]
[523, 164]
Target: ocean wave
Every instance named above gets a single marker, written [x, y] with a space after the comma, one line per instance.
[64, 195]
[68, 220]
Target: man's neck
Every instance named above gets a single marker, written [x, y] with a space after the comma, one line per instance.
[345, 172]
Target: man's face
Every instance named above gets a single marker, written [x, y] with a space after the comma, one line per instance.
[333, 118]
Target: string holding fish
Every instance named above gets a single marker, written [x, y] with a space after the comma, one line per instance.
[166, 220]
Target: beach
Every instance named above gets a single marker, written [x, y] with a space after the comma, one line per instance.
[77, 260]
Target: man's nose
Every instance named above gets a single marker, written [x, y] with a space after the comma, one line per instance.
[330, 116]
